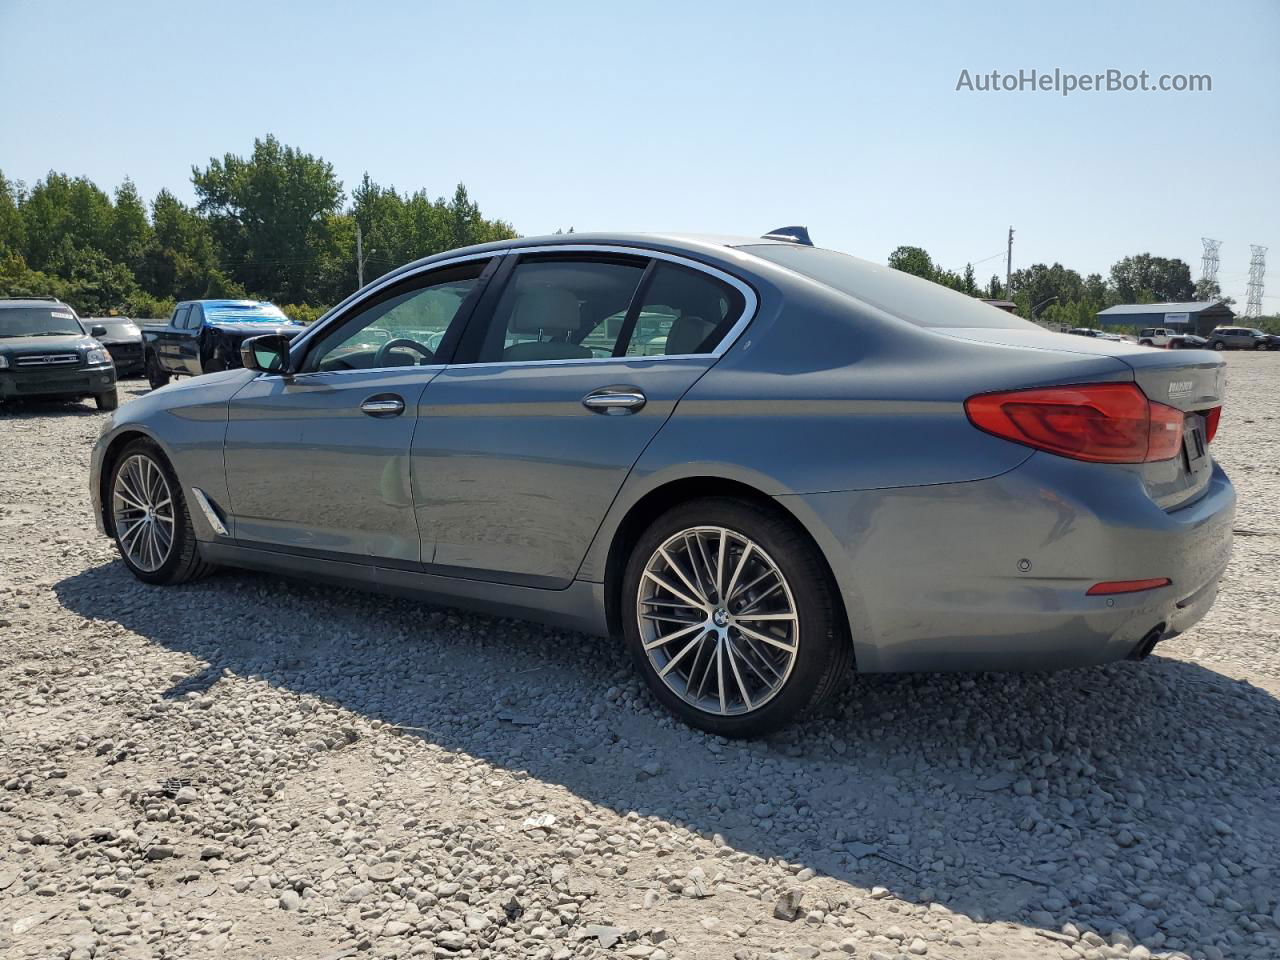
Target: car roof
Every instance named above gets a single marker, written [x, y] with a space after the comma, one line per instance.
[31, 302]
[228, 303]
[694, 243]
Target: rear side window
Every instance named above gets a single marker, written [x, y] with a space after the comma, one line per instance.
[561, 309]
[682, 311]
[180, 317]
[913, 299]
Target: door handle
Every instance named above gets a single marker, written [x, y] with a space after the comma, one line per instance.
[614, 400]
[383, 405]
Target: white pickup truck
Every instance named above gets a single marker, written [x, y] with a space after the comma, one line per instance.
[1155, 336]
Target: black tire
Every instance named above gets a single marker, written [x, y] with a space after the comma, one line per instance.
[1218, 345]
[155, 375]
[1259, 346]
[183, 562]
[824, 650]
[1145, 343]
[108, 401]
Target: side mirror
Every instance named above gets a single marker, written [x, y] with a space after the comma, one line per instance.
[267, 354]
[97, 330]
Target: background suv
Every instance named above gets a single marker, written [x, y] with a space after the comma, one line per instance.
[46, 352]
[1237, 338]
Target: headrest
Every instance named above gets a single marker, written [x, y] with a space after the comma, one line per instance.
[686, 335]
[547, 309]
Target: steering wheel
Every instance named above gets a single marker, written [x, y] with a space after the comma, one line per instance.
[384, 351]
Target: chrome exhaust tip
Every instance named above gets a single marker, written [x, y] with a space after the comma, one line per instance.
[1148, 643]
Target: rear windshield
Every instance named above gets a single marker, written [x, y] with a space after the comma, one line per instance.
[38, 322]
[921, 302]
[244, 313]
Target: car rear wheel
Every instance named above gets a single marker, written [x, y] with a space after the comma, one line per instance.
[150, 520]
[728, 611]
[108, 401]
[155, 375]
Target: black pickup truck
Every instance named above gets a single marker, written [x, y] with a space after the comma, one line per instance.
[204, 336]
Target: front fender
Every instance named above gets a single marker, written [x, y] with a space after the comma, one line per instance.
[188, 421]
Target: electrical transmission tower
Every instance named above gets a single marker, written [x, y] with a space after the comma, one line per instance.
[1209, 264]
[1257, 269]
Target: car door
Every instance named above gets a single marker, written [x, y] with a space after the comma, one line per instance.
[317, 462]
[566, 372]
[169, 340]
[189, 342]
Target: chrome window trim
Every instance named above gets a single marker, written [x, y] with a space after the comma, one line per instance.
[751, 303]
[575, 361]
[298, 377]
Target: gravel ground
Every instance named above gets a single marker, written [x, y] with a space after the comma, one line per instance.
[246, 767]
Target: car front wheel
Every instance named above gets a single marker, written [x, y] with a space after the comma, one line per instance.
[108, 401]
[149, 518]
[729, 613]
[1217, 345]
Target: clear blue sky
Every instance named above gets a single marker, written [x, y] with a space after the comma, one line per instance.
[731, 117]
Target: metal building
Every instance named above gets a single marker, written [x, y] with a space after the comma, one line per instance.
[1198, 317]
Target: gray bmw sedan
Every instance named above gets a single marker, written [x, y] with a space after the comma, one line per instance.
[755, 461]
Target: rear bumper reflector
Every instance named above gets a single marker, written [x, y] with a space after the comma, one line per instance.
[1108, 587]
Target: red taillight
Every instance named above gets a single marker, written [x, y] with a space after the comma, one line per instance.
[1211, 423]
[1110, 587]
[1100, 422]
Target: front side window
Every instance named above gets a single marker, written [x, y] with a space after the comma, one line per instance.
[682, 311]
[403, 327]
[180, 317]
[561, 309]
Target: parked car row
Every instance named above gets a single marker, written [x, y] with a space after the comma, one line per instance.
[1220, 338]
[47, 351]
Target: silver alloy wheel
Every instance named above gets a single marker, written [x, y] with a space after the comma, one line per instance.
[142, 506]
[717, 620]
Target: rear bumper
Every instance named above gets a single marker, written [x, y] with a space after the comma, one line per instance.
[80, 382]
[993, 574]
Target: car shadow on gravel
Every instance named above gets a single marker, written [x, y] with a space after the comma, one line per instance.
[40, 409]
[1139, 796]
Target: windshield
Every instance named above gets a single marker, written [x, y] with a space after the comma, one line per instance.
[38, 322]
[918, 301]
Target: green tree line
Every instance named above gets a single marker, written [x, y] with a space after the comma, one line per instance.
[275, 225]
[1064, 296]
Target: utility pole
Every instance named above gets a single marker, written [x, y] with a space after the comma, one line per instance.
[1008, 269]
[359, 257]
